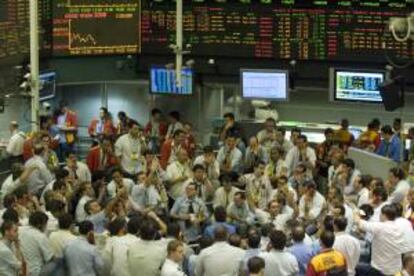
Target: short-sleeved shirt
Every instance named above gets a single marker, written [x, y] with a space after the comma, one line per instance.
[9, 264]
[35, 248]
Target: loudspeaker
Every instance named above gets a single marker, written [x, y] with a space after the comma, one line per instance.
[392, 93]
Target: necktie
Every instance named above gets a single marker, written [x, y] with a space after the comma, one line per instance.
[191, 208]
[200, 186]
[387, 149]
[190, 211]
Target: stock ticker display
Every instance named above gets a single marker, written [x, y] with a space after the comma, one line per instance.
[340, 30]
[96, 27]
[14, 29]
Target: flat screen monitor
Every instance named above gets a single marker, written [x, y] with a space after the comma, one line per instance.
[349, 85]
[163, 81]
[257, 84]
[47, 84]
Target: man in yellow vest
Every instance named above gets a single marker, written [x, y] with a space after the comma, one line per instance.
[329, 261]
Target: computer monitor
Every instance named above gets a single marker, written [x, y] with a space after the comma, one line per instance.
[355, 85]
[264, 84]
[47, 84]
[163, 81]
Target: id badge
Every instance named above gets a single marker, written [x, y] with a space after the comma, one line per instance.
[134, 156]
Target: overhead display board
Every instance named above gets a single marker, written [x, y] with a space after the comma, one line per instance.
[332, 30]
[96, 27]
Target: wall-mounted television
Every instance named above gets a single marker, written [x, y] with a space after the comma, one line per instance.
[356, 85]
[163, 81]
[47, 84]
[264, 84]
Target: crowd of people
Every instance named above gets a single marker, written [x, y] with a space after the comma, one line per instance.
[149, 200]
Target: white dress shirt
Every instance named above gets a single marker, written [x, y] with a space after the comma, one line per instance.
[349, 247]
[172, 128]
[58, 240]
[280, 263]
[80, 213]
[145, 197]
[349, 188]
[9, 185]
[83, 174]
[126, 182]
[400, 193]
[235, 157]
[213, 171]
[363, 197]
[171, 268]
[39, 178]
[316, 206]
[146, 257]
[222, 198]
[405, 225]
[257, 188]
[219, 259]
[387, 245]
[174, 171]
[293, 158]
[129, 151]
[35, 248]
[276, 170]
[116, 254]
[377, 213]
[16, 142]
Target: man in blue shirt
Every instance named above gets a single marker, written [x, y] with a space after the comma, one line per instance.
[390, 146]
[81, 255]
[302, 252]
[220, 217]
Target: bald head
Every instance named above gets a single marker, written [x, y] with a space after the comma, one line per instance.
[220, 233]
[298, 234]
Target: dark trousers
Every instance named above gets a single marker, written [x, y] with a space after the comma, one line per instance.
[374, 272]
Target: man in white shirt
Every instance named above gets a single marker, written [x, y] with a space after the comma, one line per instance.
[279, 262]
[205, 189]
[78, 171]
[144, 194]
[61, 237]
[267, 136]
[220, 258]
[171, 266]
[378, 200]
[40, 177]
[178, 173]
[118, 184]
[301, 153]
[129, 148]
[19, 175]
[258, 188]
[210, 163]
[361, 186]
[281, 141]
[15, 145]
[398, 185]
[311, 203]
[11, 258]
[224, 195]
[146, 255]
[346, 244]
[346, 175]
[387, 241]
[34, 244]
[229, 156]
[115, 253]
[277, 166]
[407, 228]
